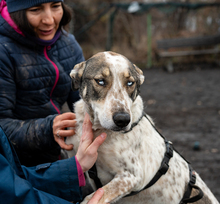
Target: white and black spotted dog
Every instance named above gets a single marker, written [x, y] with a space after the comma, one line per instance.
[133, 152]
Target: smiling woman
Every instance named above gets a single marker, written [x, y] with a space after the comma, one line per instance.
[37, 55]
[45, 19]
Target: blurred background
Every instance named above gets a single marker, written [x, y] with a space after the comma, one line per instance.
[134, 28]
[176, 44]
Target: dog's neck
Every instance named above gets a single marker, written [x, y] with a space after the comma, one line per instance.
[137, 109]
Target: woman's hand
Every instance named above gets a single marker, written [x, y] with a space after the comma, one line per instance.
[97, 196]
[87, 152]
[60, 131]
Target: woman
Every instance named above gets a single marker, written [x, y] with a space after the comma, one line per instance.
[37, 55]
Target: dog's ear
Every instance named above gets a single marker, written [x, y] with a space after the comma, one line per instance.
[76, 75]
[141, 76]
[140, 81]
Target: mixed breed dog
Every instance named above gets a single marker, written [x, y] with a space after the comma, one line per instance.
[135, 164]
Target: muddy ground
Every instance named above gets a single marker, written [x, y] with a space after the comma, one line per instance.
[185, 106]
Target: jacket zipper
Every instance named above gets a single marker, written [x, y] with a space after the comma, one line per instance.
[57, 77]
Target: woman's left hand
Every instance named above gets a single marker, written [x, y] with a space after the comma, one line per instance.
[60, 131]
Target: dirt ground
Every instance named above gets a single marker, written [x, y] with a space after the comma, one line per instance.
[185, 106]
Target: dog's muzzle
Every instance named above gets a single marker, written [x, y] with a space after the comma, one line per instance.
[121, 119]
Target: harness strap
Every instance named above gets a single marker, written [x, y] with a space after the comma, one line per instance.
[94, 175]
[162, 170]
[186, 197]
[164, 164]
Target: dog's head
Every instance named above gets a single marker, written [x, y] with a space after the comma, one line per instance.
[109, 83]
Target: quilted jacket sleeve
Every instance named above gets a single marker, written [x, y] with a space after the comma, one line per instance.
[29, 135]
[59, 178]
[44, 184]
[32, 191]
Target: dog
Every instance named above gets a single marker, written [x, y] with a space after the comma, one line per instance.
[134, 150]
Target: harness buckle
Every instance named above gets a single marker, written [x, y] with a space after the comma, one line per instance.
[169, 154]
[169, 149]
[164, 168]
[193, 177]
[186, 197]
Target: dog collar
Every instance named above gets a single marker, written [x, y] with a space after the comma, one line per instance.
[136, 123]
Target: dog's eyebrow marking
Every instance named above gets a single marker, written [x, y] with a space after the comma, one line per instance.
[126, 74]
[131, 78]
[99, 76]
[106, 72]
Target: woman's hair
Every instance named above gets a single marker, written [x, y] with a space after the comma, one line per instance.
[20, 19]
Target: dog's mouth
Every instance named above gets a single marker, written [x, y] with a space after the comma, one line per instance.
[117, 129]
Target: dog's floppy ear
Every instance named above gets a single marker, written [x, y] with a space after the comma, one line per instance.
[76, 75]
[141, 76]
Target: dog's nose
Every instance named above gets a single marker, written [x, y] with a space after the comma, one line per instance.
[121, 119]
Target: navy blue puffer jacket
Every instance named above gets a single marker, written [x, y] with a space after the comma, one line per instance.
[44, 184]
[34, 84]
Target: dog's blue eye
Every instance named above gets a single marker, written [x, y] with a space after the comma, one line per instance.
[100, 82]
[130, 83]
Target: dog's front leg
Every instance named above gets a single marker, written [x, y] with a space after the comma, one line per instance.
[121, 185]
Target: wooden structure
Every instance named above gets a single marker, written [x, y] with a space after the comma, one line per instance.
[201, 45]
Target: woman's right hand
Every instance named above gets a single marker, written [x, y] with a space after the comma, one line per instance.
[87, 152]
[64, 126]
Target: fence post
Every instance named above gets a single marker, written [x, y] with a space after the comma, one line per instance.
[149, 41]
[110, 30]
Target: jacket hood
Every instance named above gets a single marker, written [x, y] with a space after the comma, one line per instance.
[7, 31]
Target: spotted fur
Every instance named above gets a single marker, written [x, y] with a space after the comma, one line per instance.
[109, 86]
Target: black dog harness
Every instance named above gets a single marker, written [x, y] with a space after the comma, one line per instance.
[162, 170]
[186, 197]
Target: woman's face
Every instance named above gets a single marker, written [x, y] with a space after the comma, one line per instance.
[45, 19]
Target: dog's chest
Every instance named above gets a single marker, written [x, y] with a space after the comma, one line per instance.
[119, 153]
[130, 152]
